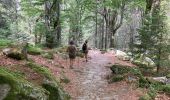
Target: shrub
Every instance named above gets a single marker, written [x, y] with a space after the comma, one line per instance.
[116, 78]
[166, 88]
[120, 69]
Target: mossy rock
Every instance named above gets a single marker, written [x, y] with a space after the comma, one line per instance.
[120, 69]
[116, 78]
[48, 55]
[62, 49]
[21, 88]
[145, 97]
[80, 54]
[56, 93]
[34, 50]
[168, 76]
[16, 55]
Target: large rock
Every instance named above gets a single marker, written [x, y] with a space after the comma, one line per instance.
[13, 53]
[6, 51]
[146, 60]
[160, 79]
[122, 55]
[4, 90]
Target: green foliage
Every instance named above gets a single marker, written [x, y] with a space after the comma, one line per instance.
[143, 82]
[145, 97]
[153, 37]
[152, 92]
[50, 83]
[61, 49]
[42, 70]
[120, 69]
[34, 50]
[168, 76]
[116, 78]
[166, 88]
[5, 43]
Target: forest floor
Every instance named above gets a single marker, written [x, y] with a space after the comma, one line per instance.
[88, 80]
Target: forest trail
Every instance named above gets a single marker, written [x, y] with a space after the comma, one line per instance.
[92, 84]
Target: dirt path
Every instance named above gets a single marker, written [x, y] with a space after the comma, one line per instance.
[92, 80]
[91, 84]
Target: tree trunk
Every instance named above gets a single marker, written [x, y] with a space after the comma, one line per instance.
[57, 25]
[96, 27]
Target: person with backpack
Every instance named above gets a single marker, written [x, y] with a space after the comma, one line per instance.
[72, 53]
[85, 49]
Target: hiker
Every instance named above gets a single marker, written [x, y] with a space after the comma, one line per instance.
[85, 49]
[72, 53]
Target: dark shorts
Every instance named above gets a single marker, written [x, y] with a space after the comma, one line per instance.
[85, 52]
[72, 56]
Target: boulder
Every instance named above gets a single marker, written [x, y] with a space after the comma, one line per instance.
[122, 55]
[126, 58]
[160, 79]
[146, 60]
[13, 53]
[6, 51]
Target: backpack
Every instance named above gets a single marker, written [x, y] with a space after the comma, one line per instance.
[84, 47]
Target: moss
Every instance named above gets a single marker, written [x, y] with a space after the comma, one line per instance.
[61, 49]
[116, 78]
[34, 50]
[20, 87]
[145, 97]
[55, 92]
[5, 43]
[16, 55]
[40, 69]
[48, 55]
[50, 83]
